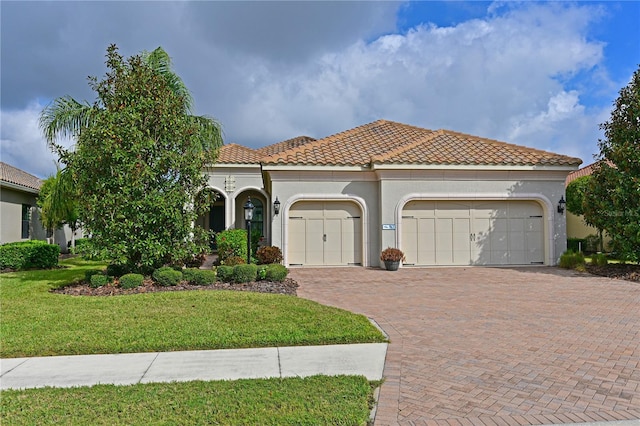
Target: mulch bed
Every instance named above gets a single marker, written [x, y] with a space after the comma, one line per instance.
[288, 286]
[615, 270]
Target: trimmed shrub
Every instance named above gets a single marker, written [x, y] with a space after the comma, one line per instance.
[262, 272]
[98, 280]
[599, 259]
[114, 270]
[269, 254]
[576, 245]
[571, 260]
[234, 260]
[91, 272]
[225, 273]
[131, 280]
[276, 272]
[231, 242]
[167, 276]
[245, 273]
[199, 276]
[29, 254]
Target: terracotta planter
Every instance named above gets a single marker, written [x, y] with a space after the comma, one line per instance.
[391, 265]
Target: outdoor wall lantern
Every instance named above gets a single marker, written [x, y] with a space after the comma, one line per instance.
[276, 206]
[248, 215]
[561, 204]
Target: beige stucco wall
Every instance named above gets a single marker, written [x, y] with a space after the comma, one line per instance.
[576, 228]
[382, 194]
[357, 186]
[11, 201]
[397, 187]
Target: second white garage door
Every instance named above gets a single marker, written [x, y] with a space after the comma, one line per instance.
[473, 233]
[324, 233]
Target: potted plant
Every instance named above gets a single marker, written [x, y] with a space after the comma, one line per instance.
[392, 258]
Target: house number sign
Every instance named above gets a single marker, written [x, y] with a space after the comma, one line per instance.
[388, 226]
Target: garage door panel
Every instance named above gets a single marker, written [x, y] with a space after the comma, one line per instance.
[314, 241]
[477, 232]
[324, 233]
[426, 241]
[351, 240]
[297, 241]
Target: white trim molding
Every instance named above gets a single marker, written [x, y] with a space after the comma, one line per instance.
[547, 207]
[286, 206]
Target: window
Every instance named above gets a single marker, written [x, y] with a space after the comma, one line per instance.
[26, 220]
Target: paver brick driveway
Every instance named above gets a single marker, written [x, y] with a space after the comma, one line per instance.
[495, 346]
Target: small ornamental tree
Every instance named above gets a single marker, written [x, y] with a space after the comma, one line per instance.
[613, 199]
[138, 162]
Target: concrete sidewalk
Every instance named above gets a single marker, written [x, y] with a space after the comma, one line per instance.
[365, 359]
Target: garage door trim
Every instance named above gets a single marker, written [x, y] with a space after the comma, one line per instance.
[547, 207]
[359, 201]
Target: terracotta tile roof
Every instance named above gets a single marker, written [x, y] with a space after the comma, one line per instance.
[388, 142]
[585, 171]
[234, 153]
[448, 148]
[353, 147]
[19, 177]
[285, 145]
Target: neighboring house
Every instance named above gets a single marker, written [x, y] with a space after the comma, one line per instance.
[443, 197]
[19, 214]
[576, 226]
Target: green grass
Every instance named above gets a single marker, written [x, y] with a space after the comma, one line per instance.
[36, 322]
[343, 400]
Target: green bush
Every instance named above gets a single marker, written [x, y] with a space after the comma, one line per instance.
[199, 276]
[28, 255]
[262, 272]
[599, 259]
[131, 280]
[576, 245]
[91, 272]
[167, 276]
[82, 247]
[269, 254]
[571, 260]
[231, 242]
[234, 260]
[276, 272]
[98, 280]
[245, 273]
[225, 273]
[114, 270]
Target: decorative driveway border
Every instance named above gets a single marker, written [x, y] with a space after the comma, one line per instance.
[495, 346]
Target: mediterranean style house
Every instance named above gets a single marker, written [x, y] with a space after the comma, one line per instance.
[19, 214]
[443, 197]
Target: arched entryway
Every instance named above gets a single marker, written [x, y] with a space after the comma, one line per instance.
[215, 218]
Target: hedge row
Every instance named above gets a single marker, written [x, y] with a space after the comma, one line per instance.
[29, 254]
[167, 276]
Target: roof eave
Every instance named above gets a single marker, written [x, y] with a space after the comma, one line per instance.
[538, 167]
[18, 187]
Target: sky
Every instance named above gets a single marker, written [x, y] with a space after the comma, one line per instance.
[539, 74]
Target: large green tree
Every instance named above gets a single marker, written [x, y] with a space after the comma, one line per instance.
[137, 161]
[612, 202]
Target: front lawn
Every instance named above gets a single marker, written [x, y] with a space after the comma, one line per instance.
[317, 400]
[36, 322]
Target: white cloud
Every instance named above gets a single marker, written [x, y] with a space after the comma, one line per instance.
[499, 77]
[505, 76]
[22, 144]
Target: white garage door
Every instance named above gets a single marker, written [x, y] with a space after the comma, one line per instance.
[324, 233]
[473, 233]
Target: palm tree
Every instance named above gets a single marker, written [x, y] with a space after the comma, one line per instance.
[66, 117]
[58, 203]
